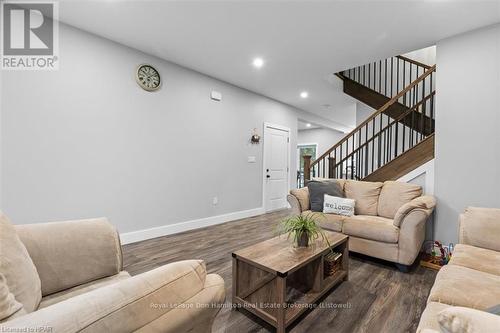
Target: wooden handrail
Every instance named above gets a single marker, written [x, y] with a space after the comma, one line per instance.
[379, 111]
[386, 127]
[413, 62]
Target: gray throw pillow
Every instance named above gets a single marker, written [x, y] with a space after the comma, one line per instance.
[318, 189]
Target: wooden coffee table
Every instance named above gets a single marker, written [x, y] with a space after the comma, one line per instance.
[278, 282]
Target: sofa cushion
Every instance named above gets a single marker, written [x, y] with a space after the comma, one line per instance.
[317, 191]
[8, 304]
[82, 289]
[394, 195]
[483, 260]
[371, 227]
[331, 222]
[128, 305]
[302, 195]
[480, 227]
[82, 251]
[18, 268]
[366, 195]
[462, 286]
[429, 318]
[372, 248]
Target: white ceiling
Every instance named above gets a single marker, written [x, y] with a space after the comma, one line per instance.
[302, 125]
[302, 42]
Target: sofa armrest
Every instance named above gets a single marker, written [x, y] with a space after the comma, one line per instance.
[411, 236]
[131, 304]
[458, 319]
[480, 227]
[425, 203]
[411, 219]
[294, 204]
[299, 199]
[67, 254]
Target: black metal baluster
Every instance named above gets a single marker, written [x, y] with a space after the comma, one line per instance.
[432, 114]
[364, 75]
[366, 149]
[380, 144]
[431, 106]
[357, 149]
[340, 160]
[397, 76]
[403, 85]
[385, 78]
[380, 77]
[396, 139]
[373, 146]
[392, 73]
[388, 157]
[422, 113]
[369, 81]
[414, 102]
[410, 81]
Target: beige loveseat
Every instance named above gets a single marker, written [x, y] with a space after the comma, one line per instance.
[389, 221]
[470, 283]
[67, 277]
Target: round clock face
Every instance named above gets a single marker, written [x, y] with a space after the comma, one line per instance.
[148, 77]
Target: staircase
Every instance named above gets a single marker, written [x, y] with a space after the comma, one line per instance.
[394, 140]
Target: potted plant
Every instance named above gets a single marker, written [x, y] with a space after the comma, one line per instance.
[302, 229]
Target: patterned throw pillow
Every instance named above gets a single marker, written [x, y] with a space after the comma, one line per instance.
[339, 206]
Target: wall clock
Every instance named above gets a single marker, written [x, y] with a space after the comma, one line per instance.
[148, 77]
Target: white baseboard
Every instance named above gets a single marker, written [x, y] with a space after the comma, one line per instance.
[169, 229]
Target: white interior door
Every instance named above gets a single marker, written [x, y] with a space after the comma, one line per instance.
[276, 166]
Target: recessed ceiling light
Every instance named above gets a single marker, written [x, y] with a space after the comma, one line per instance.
[308, 125]
[304, 94]
[258, 62]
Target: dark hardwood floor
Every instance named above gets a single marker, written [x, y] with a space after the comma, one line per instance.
[377, 297]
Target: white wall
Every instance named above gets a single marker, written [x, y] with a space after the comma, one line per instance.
[426, 55]
[325, 138]
[87, 141]
[467, 126]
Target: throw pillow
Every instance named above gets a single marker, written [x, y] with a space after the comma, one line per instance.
[366, 195]
[458, 319]
[317, 191]
[8, 304]
[339, 206]
[18, 268]
[394, 195]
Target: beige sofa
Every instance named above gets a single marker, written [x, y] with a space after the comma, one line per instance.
[470, 283]
[68, 277]
[389, 221]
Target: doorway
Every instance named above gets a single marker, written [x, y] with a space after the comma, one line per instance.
[276, 166]
[309, 149]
